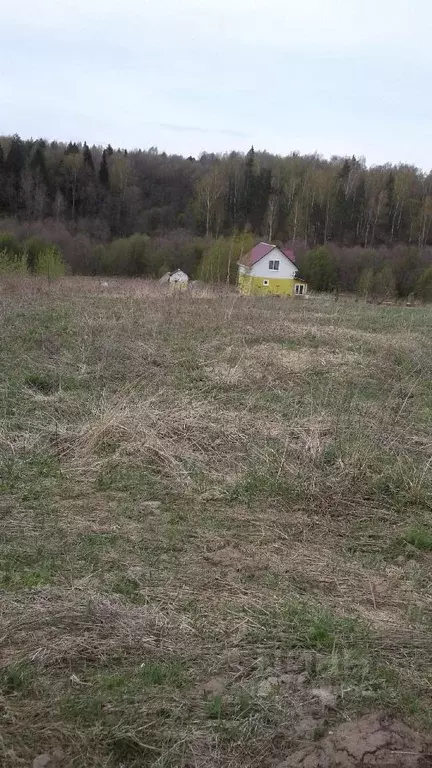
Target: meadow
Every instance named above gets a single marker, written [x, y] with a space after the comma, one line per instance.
[216, 532]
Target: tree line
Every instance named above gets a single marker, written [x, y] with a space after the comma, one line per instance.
[110, 211]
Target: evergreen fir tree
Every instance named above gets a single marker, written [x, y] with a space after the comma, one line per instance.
[14, 167]
[16, 159]
[249, 184]
[342, 207]
[3, 192]
[72, 149]
[38, 164]
[262, 187]
[103, 170]
[87, 157]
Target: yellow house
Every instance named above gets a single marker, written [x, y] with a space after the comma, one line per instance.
[268, 269]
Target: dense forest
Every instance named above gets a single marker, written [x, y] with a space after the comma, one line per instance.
[110, 211]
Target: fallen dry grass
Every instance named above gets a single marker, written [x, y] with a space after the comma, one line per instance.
[212, 508]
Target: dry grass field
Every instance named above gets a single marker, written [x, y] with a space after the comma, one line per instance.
[216, 532]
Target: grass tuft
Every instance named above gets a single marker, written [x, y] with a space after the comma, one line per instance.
[420, 538]
[16, 678]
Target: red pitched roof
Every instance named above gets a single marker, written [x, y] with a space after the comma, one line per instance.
[289, 254]
[263, 249]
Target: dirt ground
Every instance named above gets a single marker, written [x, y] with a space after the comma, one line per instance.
[374, 739]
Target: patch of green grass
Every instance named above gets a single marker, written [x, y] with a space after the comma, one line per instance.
[306, 626]
[162, 673]
[92, 549]
[113, 681]
[142, 481]
[257, 483]
[214, 707]
[84, 709]
[344, 652]
[28, 474]
[16, 678]
[288, 343]
[245, 705]
[125, 586]
[28, 579]
[129, 749]
[370, 390]
[312, 340]
[107, 447]
[420, 538]
[241, 706]
[28, 569]
[330, 454]
[90, 542]
[406, 487]
[150, 674]
[276, 401]
[44, 383]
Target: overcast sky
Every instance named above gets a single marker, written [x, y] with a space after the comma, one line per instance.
[332, 76]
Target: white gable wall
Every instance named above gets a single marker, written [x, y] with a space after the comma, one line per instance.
[178, 277]
[286, 270]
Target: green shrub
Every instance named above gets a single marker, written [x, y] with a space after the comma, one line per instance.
[384, 284]
[50, 263]
[320, 270]
[9, 244]
[33, 247]
[12, 264]
[365, 283]
[220, 258]
[424, 285]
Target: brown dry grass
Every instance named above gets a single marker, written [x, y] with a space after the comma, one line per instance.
[285, 449]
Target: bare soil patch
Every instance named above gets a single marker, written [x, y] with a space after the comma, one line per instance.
[372, 740]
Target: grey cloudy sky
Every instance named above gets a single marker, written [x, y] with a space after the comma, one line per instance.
[333, 76]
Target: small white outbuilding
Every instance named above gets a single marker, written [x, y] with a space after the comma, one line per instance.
[179, 277]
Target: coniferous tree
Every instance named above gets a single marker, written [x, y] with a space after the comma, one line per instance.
[103, 170]
[342, 203]
[14, 168]
[87, 157]
[72, 149]
[249, 185]
[38, 164]
[3, 191]
[16, 159]
[262, 187]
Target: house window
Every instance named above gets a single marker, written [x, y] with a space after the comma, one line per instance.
[274, 265]
[265, 282]
[299, 289]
